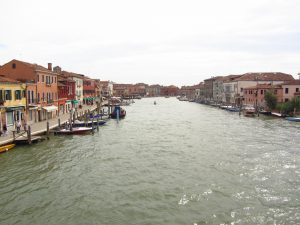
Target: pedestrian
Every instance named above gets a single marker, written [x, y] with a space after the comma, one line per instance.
[18, 125]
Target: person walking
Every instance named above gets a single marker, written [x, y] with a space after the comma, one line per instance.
[18, 125]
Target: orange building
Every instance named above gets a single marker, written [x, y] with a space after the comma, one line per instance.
[45, 80]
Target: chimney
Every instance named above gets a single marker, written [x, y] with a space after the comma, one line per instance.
[50, 66]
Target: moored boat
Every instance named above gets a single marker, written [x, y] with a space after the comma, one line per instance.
[75, 130]
[277, 114]
[118, 112]
[5, 148]
[293, 119]
[249, 113]
[78, 123]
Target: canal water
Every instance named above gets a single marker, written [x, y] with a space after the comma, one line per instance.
[170, 163]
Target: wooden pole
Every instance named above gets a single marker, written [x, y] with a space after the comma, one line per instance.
[58, 123]
[98, 123]
[29, 135]
[48, 128]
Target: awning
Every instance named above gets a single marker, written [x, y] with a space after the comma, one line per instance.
[75, 101]
[14, 108]
[50, 108]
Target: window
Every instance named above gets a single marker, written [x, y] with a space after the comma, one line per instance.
[261, 92]
[18, 95]
[32, 97]
[14, 66]
[38, 98]
[28, 99]
[10, 118]
[1, 95]
[286, 90]
[51, 80]
[297, 89]
[24, 93]
[7, 94]
[54, 79]
[286, 99]
[43, 78]
[242, 89]
[52, 94]
[43, 97]
[38, 78]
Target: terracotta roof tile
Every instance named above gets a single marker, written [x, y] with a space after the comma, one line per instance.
[270, 76]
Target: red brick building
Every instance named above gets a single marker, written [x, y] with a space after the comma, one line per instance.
[169, 91]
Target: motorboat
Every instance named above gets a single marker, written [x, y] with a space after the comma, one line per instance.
[78, 123]
[118, 112]
[293, 119]
[249, 113]
[74, 130]
[5, 148]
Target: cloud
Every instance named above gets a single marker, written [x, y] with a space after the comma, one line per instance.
[175, 41]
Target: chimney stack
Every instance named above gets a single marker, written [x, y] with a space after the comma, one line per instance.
[50, 66]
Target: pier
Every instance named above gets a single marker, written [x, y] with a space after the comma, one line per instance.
[42, 127]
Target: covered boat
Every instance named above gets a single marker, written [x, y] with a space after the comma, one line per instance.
[249, 113]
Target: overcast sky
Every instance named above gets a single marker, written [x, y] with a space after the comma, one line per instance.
[155, 41]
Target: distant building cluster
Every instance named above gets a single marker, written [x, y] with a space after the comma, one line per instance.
[245, 89]
[31, 93]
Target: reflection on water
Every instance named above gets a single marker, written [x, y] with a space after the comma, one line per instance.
[169, 163]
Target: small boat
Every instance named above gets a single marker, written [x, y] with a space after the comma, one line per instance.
[78, 123]
[264, 112]
[118, 111]
[293, 119]
[233, 109]
[75, 130]
[249, 113]
[277, 114]
[5, 148]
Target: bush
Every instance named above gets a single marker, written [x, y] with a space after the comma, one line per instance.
[271, 100]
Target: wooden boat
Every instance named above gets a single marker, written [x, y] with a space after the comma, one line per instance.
[75, 130]
[5, 148]
[118, 110]
[277, 114]
[78, 123]
[293, 119]
[249, 113]
[268, 113]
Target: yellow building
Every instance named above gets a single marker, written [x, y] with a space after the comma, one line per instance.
[12, 103]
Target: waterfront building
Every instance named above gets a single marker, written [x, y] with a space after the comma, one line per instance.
[169, 90]
[32, 106]
[66, 94]
[46, 84]
[153, 90]
[255, 96]
[218, 89]
[199, 92]
[12, 103]
[88, 90]
[107, 88]
[290, 89]
[229, 89]
[208, 89]
[78, 78]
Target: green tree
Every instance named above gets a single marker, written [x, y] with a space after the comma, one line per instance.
[271, 100]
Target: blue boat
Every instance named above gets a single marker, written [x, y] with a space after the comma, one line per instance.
[293, 119]
[118, 110]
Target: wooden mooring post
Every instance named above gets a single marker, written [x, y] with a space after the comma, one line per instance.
[58, 123]
[48, 130]
[98, 123]
[29, 134]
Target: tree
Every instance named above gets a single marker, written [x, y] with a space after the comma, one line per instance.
[271, 100]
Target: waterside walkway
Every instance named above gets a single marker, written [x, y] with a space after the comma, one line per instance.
[41, 127]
